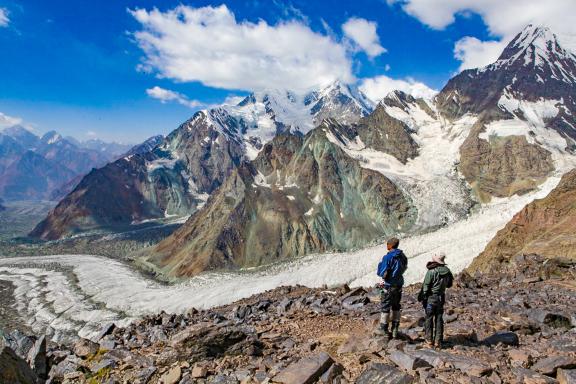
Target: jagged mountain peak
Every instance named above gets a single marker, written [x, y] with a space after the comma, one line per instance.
[51, 137]
[538, 48]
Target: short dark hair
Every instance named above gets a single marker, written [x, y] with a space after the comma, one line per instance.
[393, 242]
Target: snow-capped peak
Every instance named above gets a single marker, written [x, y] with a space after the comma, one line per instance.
[261, 115]
[538, 47]
[51, 137]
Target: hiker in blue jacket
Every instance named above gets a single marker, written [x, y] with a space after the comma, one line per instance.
[391, 269]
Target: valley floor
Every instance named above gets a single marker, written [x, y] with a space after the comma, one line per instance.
[65, 295]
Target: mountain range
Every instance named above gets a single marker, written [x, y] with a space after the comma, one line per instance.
[50, 166]
[281, 175]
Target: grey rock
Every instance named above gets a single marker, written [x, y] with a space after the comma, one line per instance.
[68, 365]
[552, 319]
[172, 376]
[330, 375]
[549, 365]
[305, 371]
[408, 362]
[85, 348]
[223, 379]
[504, 337]
[37, 358]
[524, 375]
[106, 330]
[566, 376]
[378, 373]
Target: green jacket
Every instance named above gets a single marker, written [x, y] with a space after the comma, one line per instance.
[437, 279]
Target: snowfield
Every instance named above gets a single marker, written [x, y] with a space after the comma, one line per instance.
[65, 295]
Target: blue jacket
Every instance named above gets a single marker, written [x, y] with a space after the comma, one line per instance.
[392, 267]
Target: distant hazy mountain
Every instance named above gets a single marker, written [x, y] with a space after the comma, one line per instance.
[33, 167]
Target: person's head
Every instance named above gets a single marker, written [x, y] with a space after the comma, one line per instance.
[392, 243]
[439, 258]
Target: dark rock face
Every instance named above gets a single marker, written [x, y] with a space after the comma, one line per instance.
[545, 226]
[170, 180]
[13, 369]
[300, 195]
[503, 166]
[384, 133]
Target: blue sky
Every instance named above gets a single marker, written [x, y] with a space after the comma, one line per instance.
[76, 66]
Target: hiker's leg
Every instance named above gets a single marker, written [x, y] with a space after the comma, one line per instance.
[439, 334]
[396, 307]
[385, 307]
[429, 324]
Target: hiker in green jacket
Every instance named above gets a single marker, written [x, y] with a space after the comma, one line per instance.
[432, 295]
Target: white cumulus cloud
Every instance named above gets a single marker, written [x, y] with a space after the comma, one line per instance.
[166, 95]
[504, 20]
[210, 46]
[4, 19]
[475, 53]
[363, 34]
[376, 88]
[9, 121]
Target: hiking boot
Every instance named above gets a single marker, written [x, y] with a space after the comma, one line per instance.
[429, 343]
[382, 330]
[395, 326]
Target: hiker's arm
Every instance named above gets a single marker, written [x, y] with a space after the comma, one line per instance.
[450, 281]
[426, 284]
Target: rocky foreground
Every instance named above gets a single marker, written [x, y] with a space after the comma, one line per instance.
[517, 325]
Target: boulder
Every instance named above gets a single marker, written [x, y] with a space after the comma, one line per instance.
[408, 362]
[37, 358]
[377, 373]
[504, 337]
[566, 376]
[172, 376]
[13, 368]
[199, 371]
[306, 370]
[529, 376]
[331, 373]
[85, 348]
[355, 302]
[360, 343]
[552, 319]
[68, 365]
[549, 365]
[104, 331]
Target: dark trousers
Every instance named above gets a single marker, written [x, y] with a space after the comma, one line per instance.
[390, 299]
[434, 323]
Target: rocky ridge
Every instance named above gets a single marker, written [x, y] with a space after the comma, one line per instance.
[509, 326]
[545, 226]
